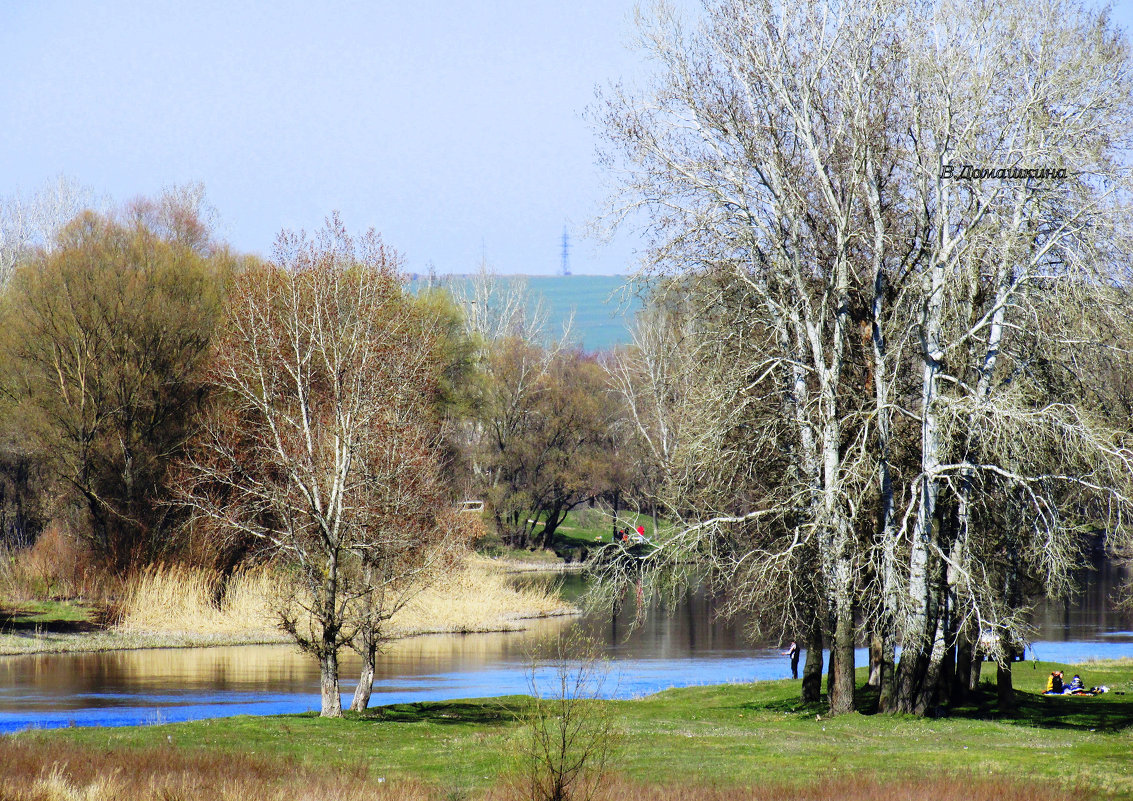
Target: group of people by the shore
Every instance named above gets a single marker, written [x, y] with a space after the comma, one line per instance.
[1056, 684]
[631, 536]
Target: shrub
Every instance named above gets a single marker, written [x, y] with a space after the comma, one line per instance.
[569, 730]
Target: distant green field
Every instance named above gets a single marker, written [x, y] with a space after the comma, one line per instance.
[602, 305]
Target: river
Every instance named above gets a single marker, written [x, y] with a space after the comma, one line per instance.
[683, 648]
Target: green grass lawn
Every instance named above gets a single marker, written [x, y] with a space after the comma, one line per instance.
[582, 529]
[739, 734]
[45, 614]
[583, 526]
[32, 625]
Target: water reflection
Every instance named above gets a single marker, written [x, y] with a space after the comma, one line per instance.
[127, 686]
[688, 646]
[1091, 615]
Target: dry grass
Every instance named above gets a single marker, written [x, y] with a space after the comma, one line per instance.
[475, 597]
[182, 599]
[478, 597]
[849, 788]
[61, 772]
[170, 606]
[1120, 662]
[46, 771]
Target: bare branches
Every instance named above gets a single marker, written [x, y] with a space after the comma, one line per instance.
[324, 442]
[897, 361]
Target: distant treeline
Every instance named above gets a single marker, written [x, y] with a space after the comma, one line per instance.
[108, 364]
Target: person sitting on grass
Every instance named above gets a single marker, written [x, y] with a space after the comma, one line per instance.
[1076, 685]
[1054, 683]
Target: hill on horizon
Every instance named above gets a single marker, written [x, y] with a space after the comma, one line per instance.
[603, 305]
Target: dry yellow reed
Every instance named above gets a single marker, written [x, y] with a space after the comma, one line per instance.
[44, 771]
[185, 599]
[474, 596]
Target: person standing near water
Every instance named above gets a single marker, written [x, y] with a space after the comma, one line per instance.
[793, 652]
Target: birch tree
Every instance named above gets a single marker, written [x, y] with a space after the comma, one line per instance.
[33, 222]
[652, 378]
[883, 312]
[751, 152]
[1011, 85]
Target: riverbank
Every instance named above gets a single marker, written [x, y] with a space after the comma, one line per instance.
[176, 609]
[739, 741]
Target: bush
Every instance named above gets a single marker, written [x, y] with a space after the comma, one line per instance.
[569, 730]
[57, 566]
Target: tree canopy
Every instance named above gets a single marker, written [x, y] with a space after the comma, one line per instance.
[104, 343]
[882, 426]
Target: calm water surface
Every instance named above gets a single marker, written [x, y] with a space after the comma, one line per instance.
[683, 648]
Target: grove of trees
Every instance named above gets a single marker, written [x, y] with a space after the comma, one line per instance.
[543, 439]
[891, 419]
[105, 339]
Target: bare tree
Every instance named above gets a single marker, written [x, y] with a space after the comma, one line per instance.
[653, 377]
[27, 223]
[319, 359]
[752, 152]
[413, 538]
[881, 308]
[996, 253]
[495, 307]
[569, 733]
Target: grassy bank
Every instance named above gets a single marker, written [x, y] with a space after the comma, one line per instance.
[753, 736]
[579, 534]
[178, 607]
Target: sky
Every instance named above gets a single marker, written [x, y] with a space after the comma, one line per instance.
[454, 128]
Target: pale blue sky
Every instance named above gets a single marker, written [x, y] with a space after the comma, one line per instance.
[447, 125]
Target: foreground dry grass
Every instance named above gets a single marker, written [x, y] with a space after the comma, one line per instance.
[42, 771]
[62, 772]
[56, 772]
